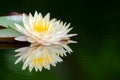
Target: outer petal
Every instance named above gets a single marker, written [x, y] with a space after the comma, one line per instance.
[23, 49]
[21, 38]
[26, 23]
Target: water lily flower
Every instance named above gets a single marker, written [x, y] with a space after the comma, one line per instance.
[48, 40]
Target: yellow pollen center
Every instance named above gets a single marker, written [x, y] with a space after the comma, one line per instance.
[41, 60]
[40, 26]
[38, 61]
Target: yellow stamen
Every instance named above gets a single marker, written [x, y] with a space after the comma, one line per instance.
[47, 58]
[38, 61]
[34, 61]
[57, 53]
[40, 26]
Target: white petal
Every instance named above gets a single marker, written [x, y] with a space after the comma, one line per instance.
[36, 69]
[36, 14]
[21, 38]
[19, 54]
[26, 63]
[68, 26]
[18, 60]
[47, 17]
[71, 35]
[31, 40]
[40, 68]
[21, 49]
[26, 23]
[30, 67]
[71, 41]
[69, 30]
[67, 48]
[24, 66]
[53, 63]
[40, 16]
[47, 66]
[31, 19]
[19, 28]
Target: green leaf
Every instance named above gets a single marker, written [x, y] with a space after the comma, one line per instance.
[4, 33]
[9, 21]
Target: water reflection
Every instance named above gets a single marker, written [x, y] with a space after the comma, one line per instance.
[10, 71]
[63, 71]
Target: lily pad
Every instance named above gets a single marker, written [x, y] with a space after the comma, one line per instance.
[9, 21]
[9, 33]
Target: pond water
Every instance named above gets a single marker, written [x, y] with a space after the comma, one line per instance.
[85, 63]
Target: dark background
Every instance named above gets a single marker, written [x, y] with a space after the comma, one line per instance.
[96, 56]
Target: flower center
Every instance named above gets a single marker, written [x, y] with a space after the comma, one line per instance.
[41, 60]
[40, 26]
[38, 61]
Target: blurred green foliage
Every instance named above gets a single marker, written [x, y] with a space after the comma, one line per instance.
[96, 56]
